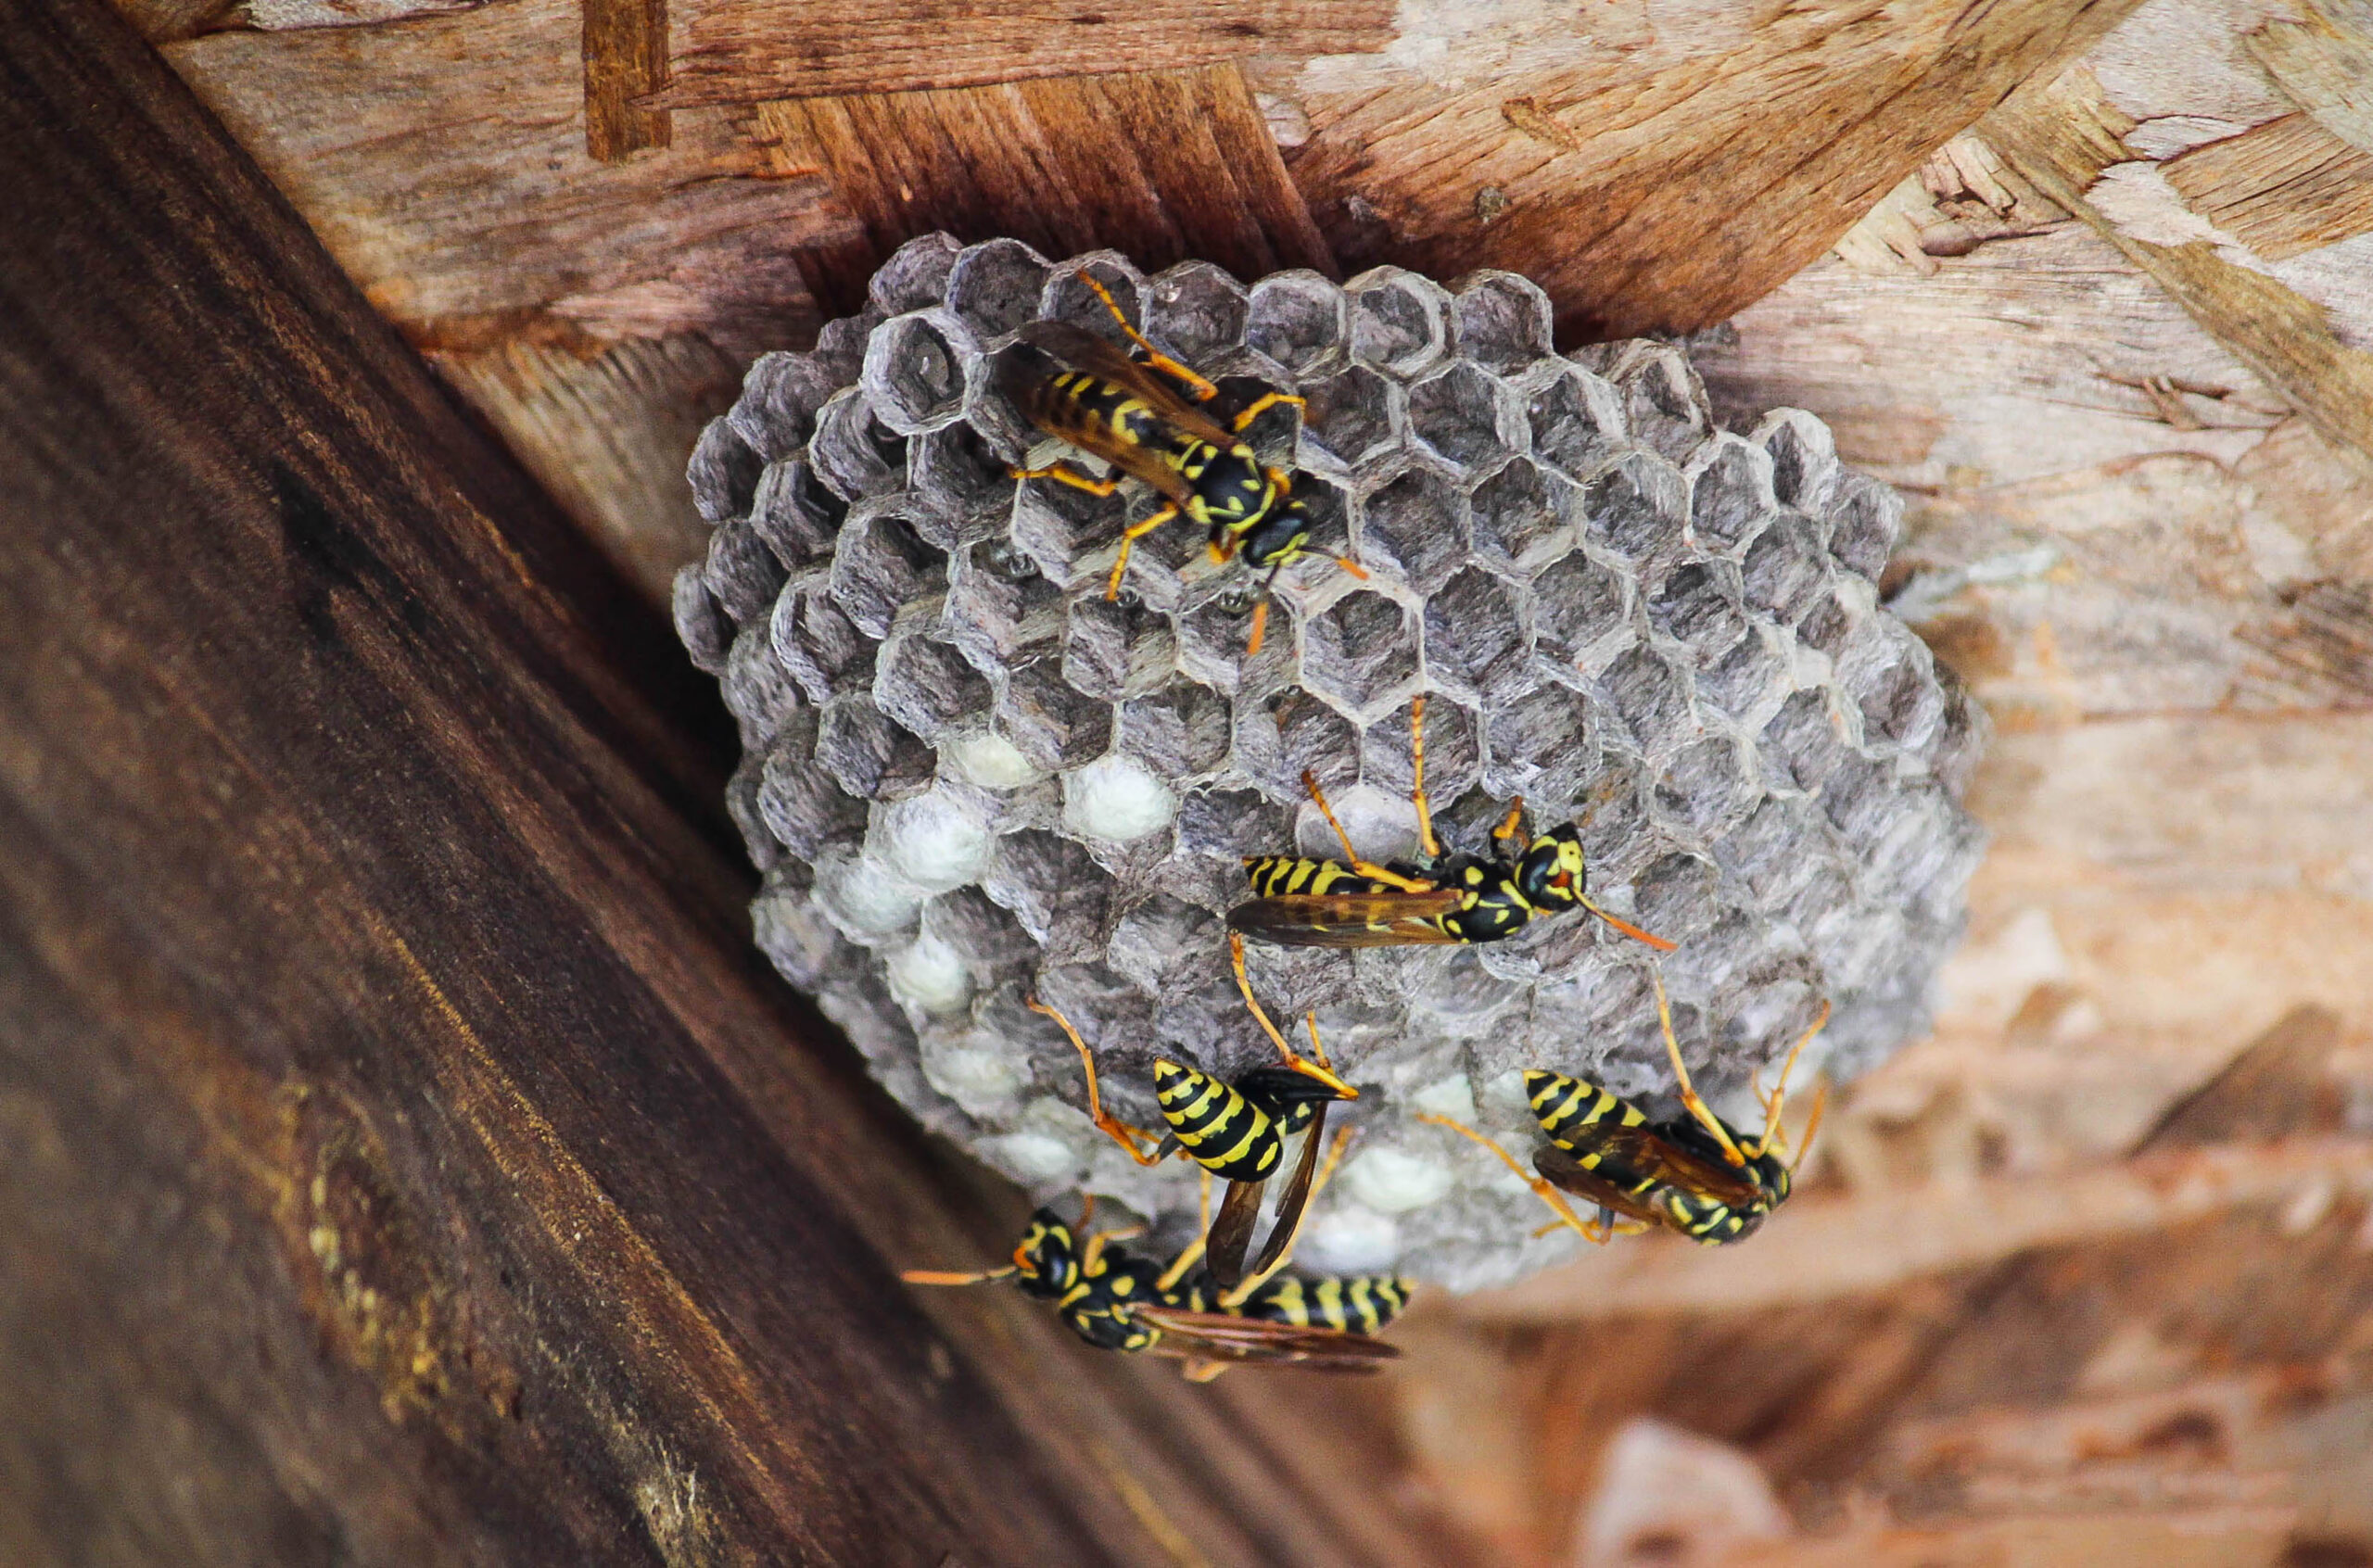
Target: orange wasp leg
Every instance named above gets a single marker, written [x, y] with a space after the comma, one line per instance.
[1111, 1126]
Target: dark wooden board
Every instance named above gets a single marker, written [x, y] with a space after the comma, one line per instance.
[408, 1161]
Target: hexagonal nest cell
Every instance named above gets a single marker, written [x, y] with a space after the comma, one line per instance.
[969, 780]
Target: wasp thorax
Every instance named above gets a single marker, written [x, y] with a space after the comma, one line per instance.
[1611, 601]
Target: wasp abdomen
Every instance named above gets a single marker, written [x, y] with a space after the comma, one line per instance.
[1361, 1304]
[1565, 1106]
[1220, 1129]
[1281, 875]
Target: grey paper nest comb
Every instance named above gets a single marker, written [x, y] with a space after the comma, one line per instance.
[969, 777]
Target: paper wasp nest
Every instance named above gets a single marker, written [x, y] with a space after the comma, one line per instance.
[968, 777]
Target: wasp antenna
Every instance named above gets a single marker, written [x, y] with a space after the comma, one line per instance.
[1259, 627]
[943, 1277]
[1627, 928]
[1353, 567]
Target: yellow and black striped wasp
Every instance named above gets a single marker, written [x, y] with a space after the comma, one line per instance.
[1440, 898]
[1135, 414]
[1695, 1173]
[1237, 1133]
[1116, 1300]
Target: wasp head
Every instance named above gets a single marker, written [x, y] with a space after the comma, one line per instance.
[1046, 1262]
[1551, 874]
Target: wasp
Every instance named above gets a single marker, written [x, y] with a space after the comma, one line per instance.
[1440, 898]
[1116, 1300]
[1133, 412]
[1237, 1133]
[1695, 1173]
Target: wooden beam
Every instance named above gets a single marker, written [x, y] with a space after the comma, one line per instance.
[1161, 165]
[1667, 182]
[454, 165]
[746, 51]
[626, 58]
[410, 1162]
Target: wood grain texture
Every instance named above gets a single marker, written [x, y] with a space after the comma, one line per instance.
[410, 1162]
[2069, 1403]
[2325, 66]
[605, 435]
[444, 162]
[1666, 193]
[626, 58]
[744, 51]
[2282, 188]
[2061, 134]
[1160, 165]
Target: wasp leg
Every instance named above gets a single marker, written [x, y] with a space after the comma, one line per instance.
[1594, 1232]
[1109, 1125]
[1779, 1095]
[1509, 834]
[1697, 1107]
[1367, 869]
[1614, 1226]
[1064, 473]
[1203, 390]
[1261, 610]
[1129, 538]
[1319, 1069]
[1093, 1249]
[1261, 405]
[1812, 1126]
[1431, 845]
[1200, 1368]
[1192, 1253]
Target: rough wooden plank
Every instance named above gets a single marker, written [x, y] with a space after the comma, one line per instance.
[1667, 182]
[2282, 188]
[2062, 134]
[2325, 67]
[626, 60]
[409, 1160]
[746, 51]
[1159, 165]
[2280, 1086]
[443, 161]
[606, 435]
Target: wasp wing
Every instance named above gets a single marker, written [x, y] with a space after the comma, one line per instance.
[1218, 1337]
[1391, 918]
[1082, 350]
[1028, 385]
[1643, 1149]
[1564, 1171]
[1231, 1234]
[1283, 1229]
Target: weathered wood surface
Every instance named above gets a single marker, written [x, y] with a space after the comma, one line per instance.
[1159, 165]
[1673, 173]
[750, 51]
[2072, 1400]
[408, 1159]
